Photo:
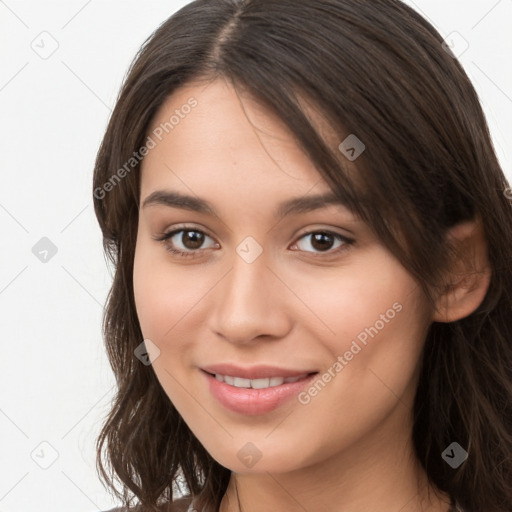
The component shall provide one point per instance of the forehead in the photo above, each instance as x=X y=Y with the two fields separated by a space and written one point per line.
x=208 y=133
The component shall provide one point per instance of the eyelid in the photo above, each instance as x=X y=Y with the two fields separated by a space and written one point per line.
x=323 y=229
x=182 y=227
x=298 y=235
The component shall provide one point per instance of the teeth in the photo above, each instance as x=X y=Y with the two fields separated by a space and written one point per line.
x=256 y=383
x=242 y=383
x=276 y=381
x=260 y=383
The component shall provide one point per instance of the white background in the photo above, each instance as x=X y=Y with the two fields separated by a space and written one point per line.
x=55 y=380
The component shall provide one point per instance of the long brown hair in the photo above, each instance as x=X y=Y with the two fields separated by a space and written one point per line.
x=375 y=69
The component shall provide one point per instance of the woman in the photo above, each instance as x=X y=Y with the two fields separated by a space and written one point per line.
x=311 y=240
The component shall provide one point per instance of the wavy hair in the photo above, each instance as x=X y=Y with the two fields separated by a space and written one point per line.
x=375 y=69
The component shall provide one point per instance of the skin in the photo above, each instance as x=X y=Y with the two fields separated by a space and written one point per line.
x=295 y=306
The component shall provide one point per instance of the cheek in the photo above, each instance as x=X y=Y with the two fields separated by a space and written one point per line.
x=372 y=322
x=166 y=299
x=362 y=302
x=155 y=292
x=167 y=296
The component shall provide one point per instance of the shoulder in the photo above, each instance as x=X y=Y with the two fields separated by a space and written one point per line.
x=180 y=505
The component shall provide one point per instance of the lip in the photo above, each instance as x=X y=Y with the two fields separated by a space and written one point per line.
x=254 y=372
x=252 y=402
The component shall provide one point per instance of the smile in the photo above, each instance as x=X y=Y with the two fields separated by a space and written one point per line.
x=255 y=396
x=270 y=382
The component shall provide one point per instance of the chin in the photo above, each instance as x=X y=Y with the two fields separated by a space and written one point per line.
x=260 y=457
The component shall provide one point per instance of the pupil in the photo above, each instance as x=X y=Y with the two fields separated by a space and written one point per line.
x=323 y=240
x=195 y=241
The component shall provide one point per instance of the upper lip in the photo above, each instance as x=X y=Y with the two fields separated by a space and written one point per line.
x=254 y=372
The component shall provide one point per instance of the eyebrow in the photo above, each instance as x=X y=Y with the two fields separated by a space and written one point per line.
x=295 y=205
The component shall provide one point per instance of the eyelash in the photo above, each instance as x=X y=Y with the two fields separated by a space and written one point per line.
x=194 y=253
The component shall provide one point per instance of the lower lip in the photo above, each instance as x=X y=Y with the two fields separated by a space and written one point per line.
x=254 y=401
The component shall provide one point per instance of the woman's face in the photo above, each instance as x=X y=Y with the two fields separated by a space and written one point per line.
x=269 y=290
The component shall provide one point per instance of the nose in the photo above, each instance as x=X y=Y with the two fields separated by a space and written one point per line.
x=250 y=303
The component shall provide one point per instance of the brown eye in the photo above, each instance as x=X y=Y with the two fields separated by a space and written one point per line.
x=185 y=242
x=192 y=239
x=323 y=242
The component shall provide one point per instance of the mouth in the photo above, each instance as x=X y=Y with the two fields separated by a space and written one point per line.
x=257 y=395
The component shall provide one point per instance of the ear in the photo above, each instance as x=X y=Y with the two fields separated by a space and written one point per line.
x=469 y=278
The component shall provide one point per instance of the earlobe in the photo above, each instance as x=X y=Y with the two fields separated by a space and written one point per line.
x=470 y=276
